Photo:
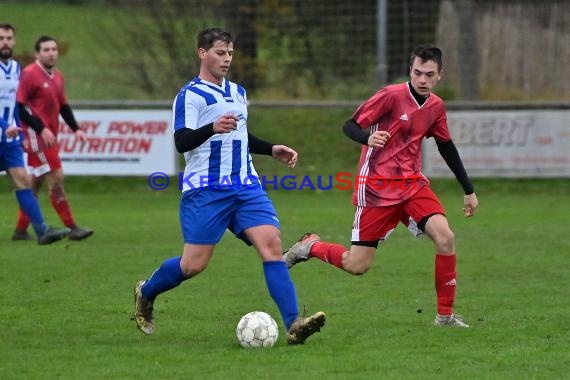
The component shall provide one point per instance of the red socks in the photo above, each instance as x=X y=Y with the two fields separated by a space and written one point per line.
x=61 y=206
x=328 y=252
x=23 y=220
x=445 y=273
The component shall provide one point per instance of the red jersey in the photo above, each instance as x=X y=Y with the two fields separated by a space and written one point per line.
x=392 y=174
x=43 y=94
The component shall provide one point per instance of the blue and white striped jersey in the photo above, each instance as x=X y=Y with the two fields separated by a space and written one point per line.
x=224 y=159
x=9 y=79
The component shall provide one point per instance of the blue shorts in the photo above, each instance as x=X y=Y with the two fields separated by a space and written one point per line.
x=11 y=156
x=206 y=213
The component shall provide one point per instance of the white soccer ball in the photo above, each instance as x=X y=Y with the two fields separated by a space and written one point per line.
x=257 y=330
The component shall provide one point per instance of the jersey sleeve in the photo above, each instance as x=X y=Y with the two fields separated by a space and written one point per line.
x=184 y=112
x=371 y=111
x=439 y=130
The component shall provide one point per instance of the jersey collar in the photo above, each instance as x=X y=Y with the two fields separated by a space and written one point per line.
x=420 y=100
x=223 y=89
x=6 y=67
x=50 y=75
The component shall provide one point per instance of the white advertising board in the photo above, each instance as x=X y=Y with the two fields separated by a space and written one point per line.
x=119 y=142
x=506 y=144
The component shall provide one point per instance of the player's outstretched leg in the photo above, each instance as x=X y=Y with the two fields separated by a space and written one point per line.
x=300 y=251
x=452 y=320
x=303 y=328
x=143 y=310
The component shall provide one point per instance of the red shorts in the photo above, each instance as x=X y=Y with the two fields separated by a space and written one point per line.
x=45 y=161
x=372 y=224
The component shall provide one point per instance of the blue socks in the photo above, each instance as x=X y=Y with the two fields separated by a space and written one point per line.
x=168 y=276
x=282 y=290
x=279 y=284
x=29 y=204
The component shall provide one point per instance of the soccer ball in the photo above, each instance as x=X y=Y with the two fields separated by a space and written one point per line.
x=257 y=329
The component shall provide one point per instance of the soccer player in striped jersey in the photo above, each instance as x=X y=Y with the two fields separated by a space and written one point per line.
x=390 y=187
x=11 y=154
x=221 y=190
x=41 y=99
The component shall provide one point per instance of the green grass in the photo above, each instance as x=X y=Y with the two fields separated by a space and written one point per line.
x=66 y=308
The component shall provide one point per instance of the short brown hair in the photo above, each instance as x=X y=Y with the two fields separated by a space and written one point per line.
x=428 y=53
x=207 y=37
x=41 y=40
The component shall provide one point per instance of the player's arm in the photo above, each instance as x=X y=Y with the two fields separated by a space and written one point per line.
x=449 y=152
x=281 y=153
x=259 y=146
x=67 y=115
x=187 y=139
x=36 y=124
x=30 y=120
x=355 y=132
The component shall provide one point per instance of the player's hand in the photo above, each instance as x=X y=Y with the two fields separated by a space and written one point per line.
x=48 y=137
x=470 y=203
x=226 y=123
x=13 y=131
x=285 y=154
x=80 y=135
x=378 y=139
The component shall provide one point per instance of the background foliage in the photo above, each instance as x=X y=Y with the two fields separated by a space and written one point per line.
x=290 y=49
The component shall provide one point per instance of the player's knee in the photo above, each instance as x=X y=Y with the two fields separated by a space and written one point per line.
x=356 y=267
x=193 y=268
x=55 y=187
x=446 y=240
x=22 y=184
x=20 y=178
x=271 y=249
x=275 y=243
x=55 y=179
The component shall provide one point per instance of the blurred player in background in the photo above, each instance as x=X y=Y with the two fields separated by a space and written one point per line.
x=11 y=154
x=391 y=126
x=221 y=189
x=41 y=99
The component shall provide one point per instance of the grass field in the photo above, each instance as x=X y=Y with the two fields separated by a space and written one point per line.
x=66 y=309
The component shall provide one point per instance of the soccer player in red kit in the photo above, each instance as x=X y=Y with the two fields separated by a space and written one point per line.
x=41 y=99
x=390 y=186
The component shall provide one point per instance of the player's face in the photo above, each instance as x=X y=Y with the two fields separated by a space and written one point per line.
x=424 y=76
x=7 y=42
x=47 y=56
x=216 y=61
